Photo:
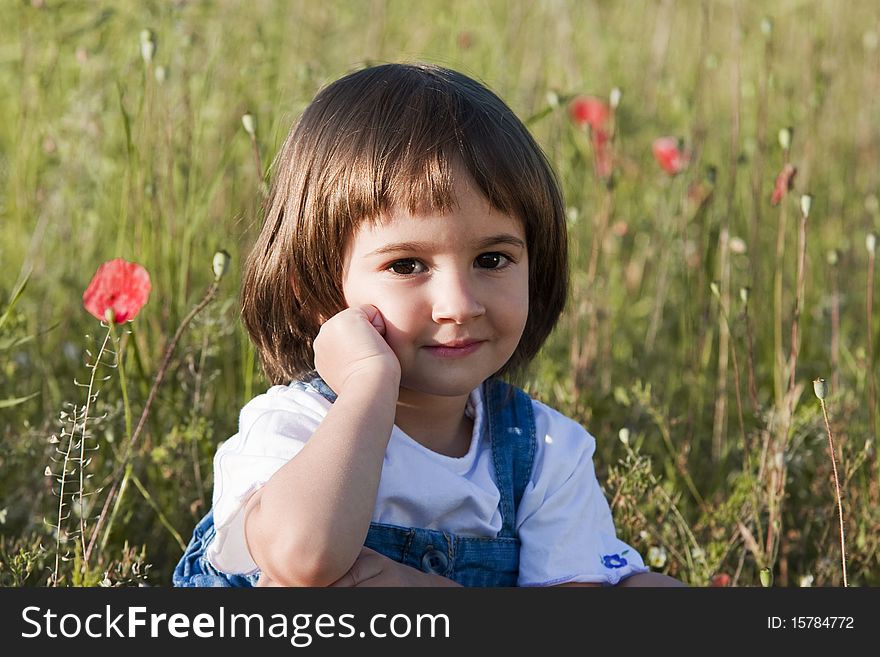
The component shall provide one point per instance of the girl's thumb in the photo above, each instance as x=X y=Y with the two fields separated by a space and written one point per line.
x=375 y=318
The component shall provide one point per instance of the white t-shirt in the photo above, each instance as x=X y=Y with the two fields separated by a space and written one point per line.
x=563 y=521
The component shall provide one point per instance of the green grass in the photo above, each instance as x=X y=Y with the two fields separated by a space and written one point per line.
x=99 y=158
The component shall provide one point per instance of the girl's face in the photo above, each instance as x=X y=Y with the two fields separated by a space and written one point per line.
x=453 y=289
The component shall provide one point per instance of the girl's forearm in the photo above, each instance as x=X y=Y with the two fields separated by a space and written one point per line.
x=309 y=522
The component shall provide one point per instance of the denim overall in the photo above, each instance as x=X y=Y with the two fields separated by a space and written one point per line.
x=468 y=560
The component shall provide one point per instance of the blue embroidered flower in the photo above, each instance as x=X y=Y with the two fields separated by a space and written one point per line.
x=613 y=561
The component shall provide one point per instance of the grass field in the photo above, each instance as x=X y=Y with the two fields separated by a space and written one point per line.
x=700 y=312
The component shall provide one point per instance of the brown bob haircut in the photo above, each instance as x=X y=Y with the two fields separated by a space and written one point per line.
x=386 y=137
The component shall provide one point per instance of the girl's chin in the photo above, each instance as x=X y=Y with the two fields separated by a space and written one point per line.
x=444 y=386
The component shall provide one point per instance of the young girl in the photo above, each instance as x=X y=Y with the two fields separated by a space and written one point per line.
x=413 y=253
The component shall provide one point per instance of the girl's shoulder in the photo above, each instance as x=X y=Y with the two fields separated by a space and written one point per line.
x=280 y=404
x=549 y=422
x=569 y=438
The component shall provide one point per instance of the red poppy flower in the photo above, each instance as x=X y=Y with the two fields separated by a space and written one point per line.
x=120 y=286
x=784 y=182
x=670 y=155
x=589 y=111
x=721 y=580
x=601 y=141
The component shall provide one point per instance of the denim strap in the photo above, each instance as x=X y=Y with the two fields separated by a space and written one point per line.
x=511 y=426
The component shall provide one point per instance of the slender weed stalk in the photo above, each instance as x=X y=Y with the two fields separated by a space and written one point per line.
x=820 y=387
x=806 y=204
x=75 y=433
x=744 y=294
x=871 y=244
x=738 y=382
x=67 y=436
x=785 y=137
x=250 y=127
x=758 y=164
x=90 y=397
x=833 y=259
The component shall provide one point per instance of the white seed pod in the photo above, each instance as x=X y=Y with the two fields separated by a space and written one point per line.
x=552 y=99
x=806 y=204
x=871 y=242
x=832 y=257
x=249 y=123
x=623 y=434
x=614 y=97
x=737 y=245
x=767 y=27
x=148 y=45
x=744 y=294
x=820 y=387
x=785 y=135
x=221 y=264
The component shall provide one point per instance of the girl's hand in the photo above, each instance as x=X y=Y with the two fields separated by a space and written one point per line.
x=350 y=345
x=374 y=569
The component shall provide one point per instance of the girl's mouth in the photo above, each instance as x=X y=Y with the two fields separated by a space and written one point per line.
x=454 y=350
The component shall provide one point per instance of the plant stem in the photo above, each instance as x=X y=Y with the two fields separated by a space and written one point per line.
x=835 y=329
x=753 y=388
x=82 y=443
x=837 y=491
x=869 y=316
x=122 y=381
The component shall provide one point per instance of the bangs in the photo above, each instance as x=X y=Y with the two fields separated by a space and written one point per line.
x=397 y=146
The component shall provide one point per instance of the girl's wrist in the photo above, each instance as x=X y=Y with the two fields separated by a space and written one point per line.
x=378 y=382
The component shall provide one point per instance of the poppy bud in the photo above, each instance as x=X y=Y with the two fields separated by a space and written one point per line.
x=831 y=257
x=785 y=136
x=623 y=434
x=614 y=97
x=715 y=290
x=767 y=27
x=766 y=577
x=744 y=294
x=871 y=242
x=148 y=45
x=221 y=264
x=820 y=387
x=737 y=245
x=806 y=204
x=552 y=99
x=249 y=123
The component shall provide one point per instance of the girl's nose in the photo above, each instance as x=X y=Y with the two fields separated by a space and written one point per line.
x=455 y=300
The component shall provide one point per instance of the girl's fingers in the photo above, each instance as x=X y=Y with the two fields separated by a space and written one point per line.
x=365 y=567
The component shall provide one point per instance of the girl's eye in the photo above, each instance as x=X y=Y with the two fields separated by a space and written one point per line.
x=493 y=260
x=406 y=267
